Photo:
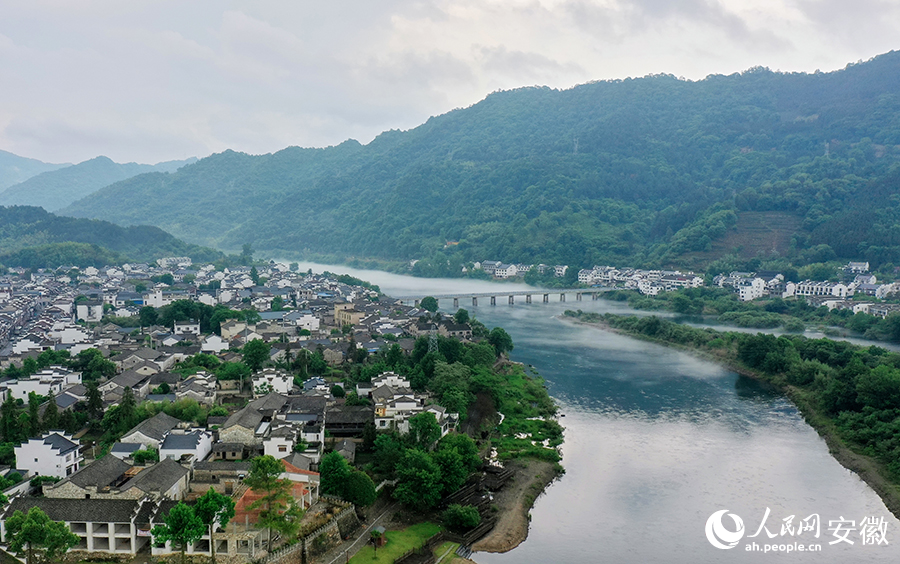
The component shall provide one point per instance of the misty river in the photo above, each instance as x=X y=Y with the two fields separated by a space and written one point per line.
x=657 y=440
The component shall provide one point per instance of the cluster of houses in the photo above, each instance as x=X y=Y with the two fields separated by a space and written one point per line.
x=112 y=502
x=858 y=281
x=502 y=270
x=648 y=282
x=62 y=310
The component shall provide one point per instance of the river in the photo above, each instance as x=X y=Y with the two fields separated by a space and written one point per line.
x=657 y=441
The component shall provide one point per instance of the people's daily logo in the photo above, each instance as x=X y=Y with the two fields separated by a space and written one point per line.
x=721 y=537
x=793 y=533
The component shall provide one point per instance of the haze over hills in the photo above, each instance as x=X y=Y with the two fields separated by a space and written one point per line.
x=651 y=171
x=15 y=169
x=56 y=189
x=31 y=237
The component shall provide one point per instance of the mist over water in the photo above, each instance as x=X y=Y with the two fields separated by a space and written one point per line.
x=656 y=441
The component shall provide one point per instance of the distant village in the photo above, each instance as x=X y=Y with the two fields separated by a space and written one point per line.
x=112 y=502
x=848 y=294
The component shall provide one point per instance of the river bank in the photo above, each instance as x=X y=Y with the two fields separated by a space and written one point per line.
x=870 y=470
x=514 y=501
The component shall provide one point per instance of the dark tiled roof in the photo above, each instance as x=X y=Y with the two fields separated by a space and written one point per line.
x=179 y=441
x=100 y=472
x=60 y=443
x=220 y=465
x=96 y=510
x=349 y=414
x=248 y=418
x=158 y=478
x=155 y=427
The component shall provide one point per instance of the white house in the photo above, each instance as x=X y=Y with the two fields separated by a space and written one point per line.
x=270 y=380
x=179 y=443
x=55 y=454
x=189 y=327
x=89 y=310
x=751 y=288
x=47 y=382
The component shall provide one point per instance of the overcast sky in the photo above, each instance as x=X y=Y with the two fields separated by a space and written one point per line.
x=156 y=80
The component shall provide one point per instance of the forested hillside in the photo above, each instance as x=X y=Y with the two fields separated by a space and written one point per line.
x=30 y=237
x=59 y=188
x=651 y=171
x=15 y=169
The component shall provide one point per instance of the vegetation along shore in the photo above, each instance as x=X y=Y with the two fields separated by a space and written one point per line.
x=849 y=394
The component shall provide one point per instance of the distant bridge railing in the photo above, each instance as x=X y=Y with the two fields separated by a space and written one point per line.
x=543 y=294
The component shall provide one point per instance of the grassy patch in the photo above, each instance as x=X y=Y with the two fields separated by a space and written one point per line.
x=448 y=548
x=529 y=412
x=398 y=543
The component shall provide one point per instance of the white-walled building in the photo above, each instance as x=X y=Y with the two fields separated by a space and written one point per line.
x=90 y=311
x=54 y=454
x=180 y=443
x=271 y=380
x=751 y=288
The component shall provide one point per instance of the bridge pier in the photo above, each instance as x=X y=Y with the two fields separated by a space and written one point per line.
x=562 y=297
x=546 y=298
x=474 y=301
x=415 y=303
x=493 y=300
x=512 y=300
x=455 y=303
x=577 y=296
x=527 y=298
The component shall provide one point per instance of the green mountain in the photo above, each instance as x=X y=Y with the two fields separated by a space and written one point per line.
x=59 y=188
x=31 y=237
x=653 y=170
x=15 y=169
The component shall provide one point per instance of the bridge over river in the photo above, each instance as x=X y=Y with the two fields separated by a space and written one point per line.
x=543 y=294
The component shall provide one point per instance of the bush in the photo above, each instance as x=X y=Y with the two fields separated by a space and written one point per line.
x=461 y=518
x=144 y=456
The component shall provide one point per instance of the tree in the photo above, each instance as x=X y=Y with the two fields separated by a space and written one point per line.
x=256 y=353
x=429 y=303
x=333 y=471
x=277 y=303
x=418 y=480
x=338 y=391
x=453 y=470
x=254 y=275
x=369 y=435
x=181 y=527
x=461 y=518
x=500 y=340
x=461 y=316
x=51 y=415
x=143 y=456
x=36 y=534
x=424 y=431
x=389 y=450
x=214 y=509
x=466 y=448
x=148 y=316
x=94 y=400
x=277 y=510
x=9 y=418
x=127 y=408
x=359 y=489
x=34 y=420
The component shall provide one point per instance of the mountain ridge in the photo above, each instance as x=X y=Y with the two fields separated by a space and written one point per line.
x=650 y=169
x=58 y=188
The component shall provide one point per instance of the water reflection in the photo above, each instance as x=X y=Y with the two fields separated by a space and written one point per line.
x=656 y=441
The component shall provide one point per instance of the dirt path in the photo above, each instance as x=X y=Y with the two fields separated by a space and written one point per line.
x=515 y=501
